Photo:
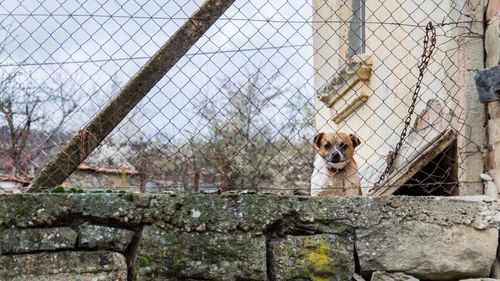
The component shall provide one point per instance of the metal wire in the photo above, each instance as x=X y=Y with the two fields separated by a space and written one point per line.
x=422 y=66
x=240 y=109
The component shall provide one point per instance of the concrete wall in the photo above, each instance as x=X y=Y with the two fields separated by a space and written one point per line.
x=392 y=51
x=244 y=237
x=96 y=180
x=492 y=48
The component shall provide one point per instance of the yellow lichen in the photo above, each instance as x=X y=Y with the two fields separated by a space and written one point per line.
x=318 y=264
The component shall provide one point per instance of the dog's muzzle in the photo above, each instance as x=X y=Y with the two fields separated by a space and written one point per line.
x=336 y=165
x=335 y=157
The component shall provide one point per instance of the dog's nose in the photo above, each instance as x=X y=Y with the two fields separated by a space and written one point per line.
x=335 y=157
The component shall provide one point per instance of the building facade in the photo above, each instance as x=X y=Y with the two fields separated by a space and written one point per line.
x=366 y=56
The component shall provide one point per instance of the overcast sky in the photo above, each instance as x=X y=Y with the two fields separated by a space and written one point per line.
x=95 y=41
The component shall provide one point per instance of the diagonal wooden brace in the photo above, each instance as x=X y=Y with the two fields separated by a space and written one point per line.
x=66 y=161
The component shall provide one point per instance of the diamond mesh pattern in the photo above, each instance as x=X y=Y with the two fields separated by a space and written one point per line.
x=239 y=111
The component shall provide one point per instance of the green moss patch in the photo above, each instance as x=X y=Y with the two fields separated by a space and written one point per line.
x=142 y=261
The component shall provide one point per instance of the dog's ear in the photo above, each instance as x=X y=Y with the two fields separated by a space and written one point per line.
x=317 y=139
x=355 y=140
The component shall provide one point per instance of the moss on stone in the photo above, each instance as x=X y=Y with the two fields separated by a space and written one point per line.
x=178 y=263
x=142 y=261
x=58 y=189
x=317 y=262
x=22 y=210
x=130 y=197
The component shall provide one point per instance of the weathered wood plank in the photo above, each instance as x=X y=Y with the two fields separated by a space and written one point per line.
x=83 y=143
x=396 y=179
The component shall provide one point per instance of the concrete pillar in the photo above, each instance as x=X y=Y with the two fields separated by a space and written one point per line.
x=471 y=56
x=492 y=48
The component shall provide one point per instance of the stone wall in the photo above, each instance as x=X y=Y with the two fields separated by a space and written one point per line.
x=244 y=237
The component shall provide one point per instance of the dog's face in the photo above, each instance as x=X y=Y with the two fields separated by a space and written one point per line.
x=336 y=148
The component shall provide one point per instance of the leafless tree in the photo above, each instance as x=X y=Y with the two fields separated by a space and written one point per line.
x=28 y=106
x=240 y=142
x=250 y=136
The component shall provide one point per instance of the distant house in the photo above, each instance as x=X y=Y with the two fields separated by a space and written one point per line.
x=152 y=185
x=12 y=184
x=89 y=176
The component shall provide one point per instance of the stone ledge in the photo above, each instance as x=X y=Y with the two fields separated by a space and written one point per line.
x=232 y=236
x=104 y=237
x=350 y=107
x=62 y=266
x=358 y=68
x=254 y=213
x=13 y=240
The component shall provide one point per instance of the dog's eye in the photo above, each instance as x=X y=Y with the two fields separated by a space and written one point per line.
x=342 y=145
x=327 y=145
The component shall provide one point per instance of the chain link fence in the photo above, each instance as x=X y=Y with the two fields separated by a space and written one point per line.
x=240 y=109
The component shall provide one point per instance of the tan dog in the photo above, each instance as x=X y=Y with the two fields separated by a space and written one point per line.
x=335 y=170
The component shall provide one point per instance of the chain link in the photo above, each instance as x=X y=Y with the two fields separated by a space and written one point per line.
x=238 y=110
x=422 y=66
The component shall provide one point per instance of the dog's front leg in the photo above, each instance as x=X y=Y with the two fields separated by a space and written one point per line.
x=318 y=174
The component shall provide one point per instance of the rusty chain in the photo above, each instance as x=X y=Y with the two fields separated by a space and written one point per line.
x=422 y=66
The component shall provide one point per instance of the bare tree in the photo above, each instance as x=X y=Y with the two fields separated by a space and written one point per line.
x=239 y=145
x=250 y=136
x=28 y=106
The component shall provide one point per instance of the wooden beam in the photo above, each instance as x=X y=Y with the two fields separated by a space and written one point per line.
x=402 y=175
x=66 y=161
